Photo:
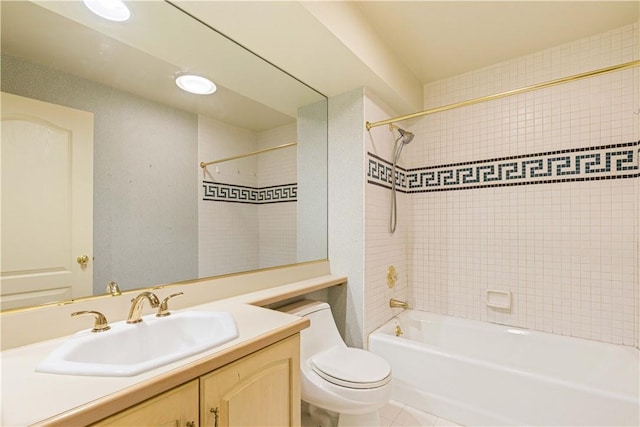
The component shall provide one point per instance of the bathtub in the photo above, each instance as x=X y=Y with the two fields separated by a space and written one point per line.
x=477 y=373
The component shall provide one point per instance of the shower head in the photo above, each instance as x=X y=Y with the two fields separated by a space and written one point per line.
x=405 y=135
x=404 y=138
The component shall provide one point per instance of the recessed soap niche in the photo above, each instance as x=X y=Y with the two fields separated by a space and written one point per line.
x=500 y=300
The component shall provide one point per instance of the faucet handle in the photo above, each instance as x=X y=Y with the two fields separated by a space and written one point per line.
x=100 y=324
x=164 y=307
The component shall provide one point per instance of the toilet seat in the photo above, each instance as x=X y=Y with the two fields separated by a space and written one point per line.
x=351 y=367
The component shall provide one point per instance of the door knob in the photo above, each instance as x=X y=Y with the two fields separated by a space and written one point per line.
x=83 y=260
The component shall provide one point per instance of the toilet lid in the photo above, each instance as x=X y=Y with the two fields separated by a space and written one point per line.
x=351 y=367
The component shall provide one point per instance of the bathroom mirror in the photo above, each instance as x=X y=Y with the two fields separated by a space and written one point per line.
x=157 y=216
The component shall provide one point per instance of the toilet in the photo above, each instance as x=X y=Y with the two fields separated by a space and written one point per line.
x=351 y=382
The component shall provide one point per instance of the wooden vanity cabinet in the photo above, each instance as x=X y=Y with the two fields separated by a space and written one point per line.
x=177 y=407
x=260 y=389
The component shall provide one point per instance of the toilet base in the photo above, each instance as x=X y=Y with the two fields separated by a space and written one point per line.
x=320 y=417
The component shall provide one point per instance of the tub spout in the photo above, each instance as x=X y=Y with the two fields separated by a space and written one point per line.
x=394 y=303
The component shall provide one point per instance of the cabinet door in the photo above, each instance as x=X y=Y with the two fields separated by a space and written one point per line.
x=175 y=408
x=262 y=389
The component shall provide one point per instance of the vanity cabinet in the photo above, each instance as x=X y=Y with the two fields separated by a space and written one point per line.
x=260 y=389
x=174 y=408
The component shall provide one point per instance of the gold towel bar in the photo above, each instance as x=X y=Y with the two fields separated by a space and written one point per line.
x=253 y=153
x=473 y=101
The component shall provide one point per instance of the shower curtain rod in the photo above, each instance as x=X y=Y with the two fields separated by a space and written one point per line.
x=253 y=153
x=473 y=101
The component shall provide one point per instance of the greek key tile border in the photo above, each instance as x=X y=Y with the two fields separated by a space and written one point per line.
x=220 y=192
x=615 y=161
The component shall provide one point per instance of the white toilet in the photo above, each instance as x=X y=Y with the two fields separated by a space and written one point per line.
x=351 y=382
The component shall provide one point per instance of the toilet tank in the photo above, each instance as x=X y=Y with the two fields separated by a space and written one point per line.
x=322 y=334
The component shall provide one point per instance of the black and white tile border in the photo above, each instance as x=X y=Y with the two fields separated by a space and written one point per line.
x=220 y=192
x=615 y=161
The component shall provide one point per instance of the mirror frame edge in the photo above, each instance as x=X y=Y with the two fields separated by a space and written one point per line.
x=158 y=287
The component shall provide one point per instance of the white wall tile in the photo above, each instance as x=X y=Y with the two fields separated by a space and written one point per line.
x=277 y=222
x=240 y=236
x=568 y=251
x=382 y=248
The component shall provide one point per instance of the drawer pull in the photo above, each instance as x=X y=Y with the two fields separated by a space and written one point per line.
x=216 y=412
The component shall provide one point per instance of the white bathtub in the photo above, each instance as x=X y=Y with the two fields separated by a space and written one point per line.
x=477 y=373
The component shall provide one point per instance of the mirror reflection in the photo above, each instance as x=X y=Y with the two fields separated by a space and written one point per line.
x=101 y=153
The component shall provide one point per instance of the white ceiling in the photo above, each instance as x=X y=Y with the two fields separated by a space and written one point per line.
x=395 y=47
x=436 y=39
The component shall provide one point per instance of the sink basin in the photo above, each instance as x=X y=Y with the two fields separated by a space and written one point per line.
x=130 y=349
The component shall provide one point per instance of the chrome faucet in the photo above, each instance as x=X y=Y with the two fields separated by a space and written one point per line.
x=135 y=312
x=395 y=303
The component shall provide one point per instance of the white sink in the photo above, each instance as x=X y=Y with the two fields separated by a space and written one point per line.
x=129 y=349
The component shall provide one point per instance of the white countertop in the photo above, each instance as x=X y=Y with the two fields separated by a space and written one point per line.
x=30 y=397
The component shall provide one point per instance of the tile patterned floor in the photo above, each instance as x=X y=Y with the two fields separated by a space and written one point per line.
x=396 y=414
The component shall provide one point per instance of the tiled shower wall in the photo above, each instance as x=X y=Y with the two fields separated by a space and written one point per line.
x=226 y=231
x=277 y=221
x=567 y=250
x=237 y=234
x=382 y=249
x=565 y=244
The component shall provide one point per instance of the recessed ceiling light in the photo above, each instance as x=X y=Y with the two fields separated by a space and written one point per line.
x=113 y=10
x=195 y=84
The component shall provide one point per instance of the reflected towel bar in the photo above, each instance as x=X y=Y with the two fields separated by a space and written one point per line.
x=473 y=101
x=253 y=153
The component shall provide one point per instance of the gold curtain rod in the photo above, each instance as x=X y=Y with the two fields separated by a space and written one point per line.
x=253 y=153
x=580 y=76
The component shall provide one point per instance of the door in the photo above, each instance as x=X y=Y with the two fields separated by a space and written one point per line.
x=46 y=202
